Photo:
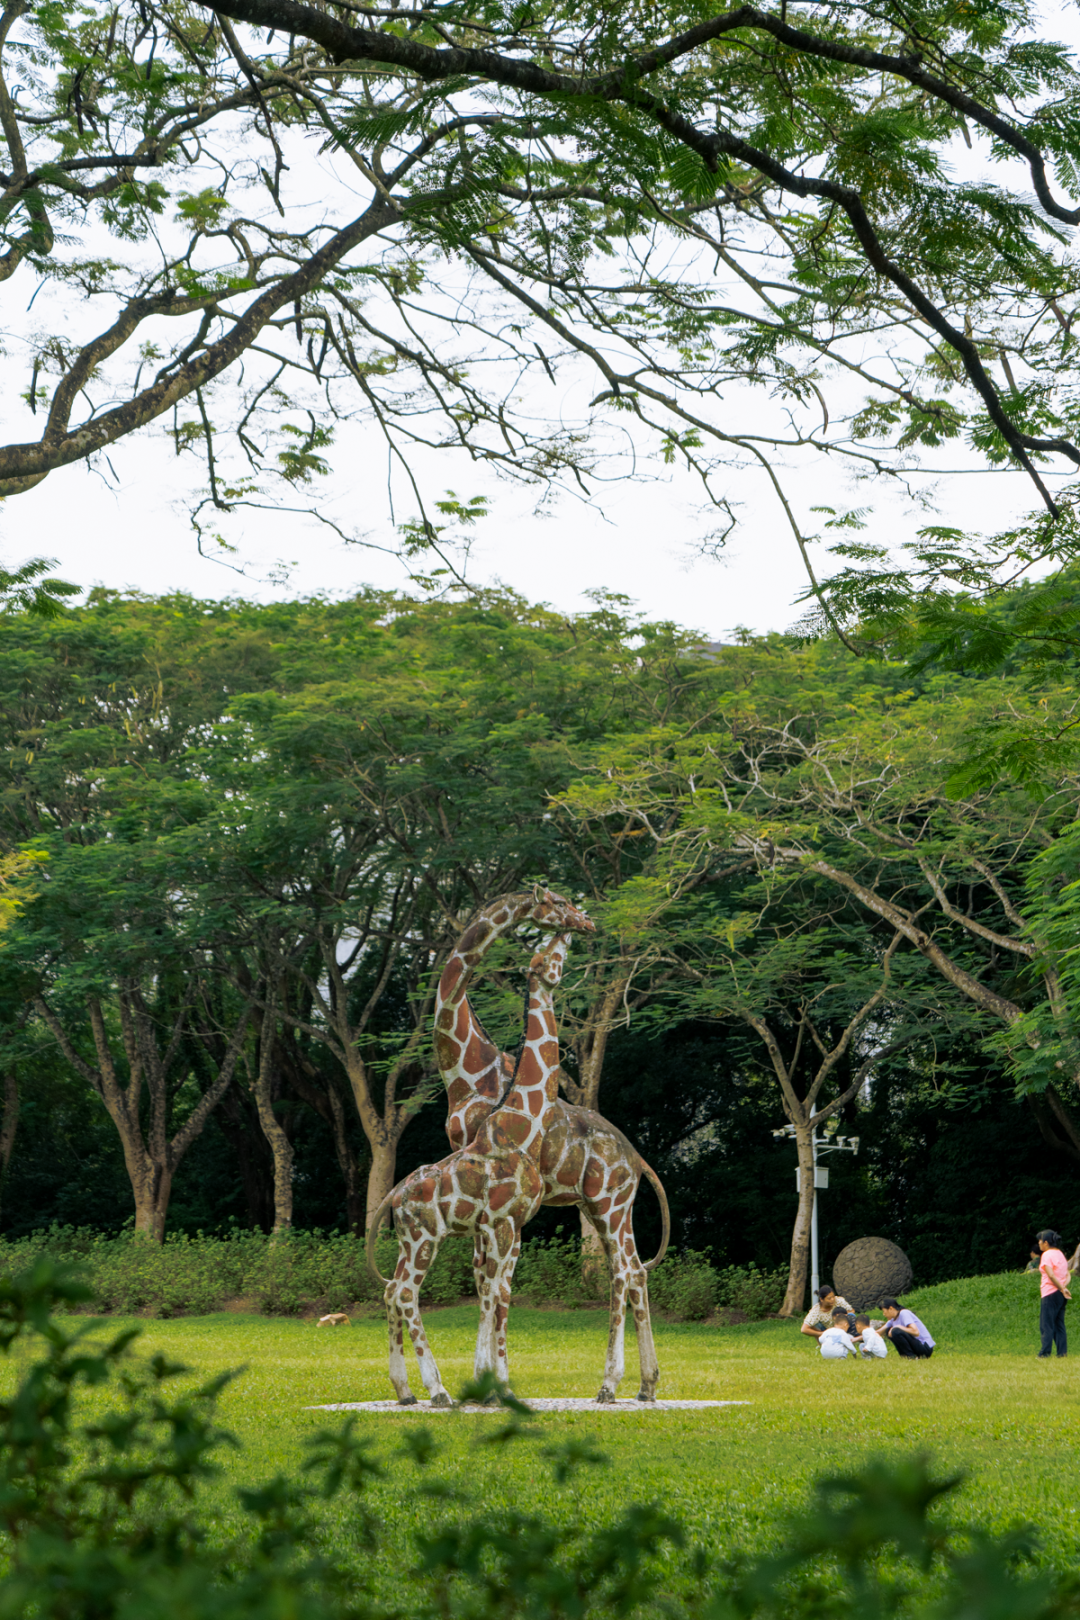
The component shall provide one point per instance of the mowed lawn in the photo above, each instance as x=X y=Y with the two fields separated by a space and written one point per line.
x=983 y=1404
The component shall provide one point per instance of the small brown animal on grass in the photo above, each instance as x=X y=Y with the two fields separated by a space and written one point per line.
x=335 y=1319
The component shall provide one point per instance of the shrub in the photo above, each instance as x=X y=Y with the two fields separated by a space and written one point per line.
x=193 y=1275
x=550 y=1272
x=684 y=1285
x=756 y=1293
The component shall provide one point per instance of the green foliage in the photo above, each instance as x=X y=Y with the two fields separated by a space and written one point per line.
x=106 y=1474
x=559 y=195
x=311 y=1270
x=686 y=1286
x=756 y=1293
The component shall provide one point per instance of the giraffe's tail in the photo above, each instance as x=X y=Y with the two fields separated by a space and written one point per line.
x=665 y=1215
x=373 y=1236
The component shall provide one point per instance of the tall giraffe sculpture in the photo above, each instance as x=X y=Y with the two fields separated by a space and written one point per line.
x=486 y=1191
x=586 y=1161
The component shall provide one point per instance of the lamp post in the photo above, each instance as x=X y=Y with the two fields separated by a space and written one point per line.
x=828 y=1143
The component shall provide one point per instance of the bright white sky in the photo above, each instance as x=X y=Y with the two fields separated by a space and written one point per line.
x=641 y=543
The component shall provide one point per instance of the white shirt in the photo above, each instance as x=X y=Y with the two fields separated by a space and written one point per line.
x=873 y=1344
x=836 y=1344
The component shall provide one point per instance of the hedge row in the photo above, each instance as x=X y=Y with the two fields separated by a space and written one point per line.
x=304 y=1269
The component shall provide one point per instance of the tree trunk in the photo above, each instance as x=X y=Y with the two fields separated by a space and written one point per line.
x=590 y=1049
x=151 y=1161
x=321 y=1094
x=242 y=1131
x=273 y=1130
x=152 y=1203
x=347 y=1163
x=800 y=1238
x=9 y=1124
x=381 y=1176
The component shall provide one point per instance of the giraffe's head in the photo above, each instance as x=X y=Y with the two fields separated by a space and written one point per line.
x=553 y=911
x=549 y=960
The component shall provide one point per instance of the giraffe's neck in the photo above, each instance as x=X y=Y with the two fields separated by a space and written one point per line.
x=464 y=1051
x=525 y=1113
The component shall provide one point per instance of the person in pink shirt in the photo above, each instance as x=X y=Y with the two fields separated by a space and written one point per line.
x=1054 y=1292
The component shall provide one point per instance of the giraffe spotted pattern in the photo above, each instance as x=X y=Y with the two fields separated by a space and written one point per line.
x=585 y=1160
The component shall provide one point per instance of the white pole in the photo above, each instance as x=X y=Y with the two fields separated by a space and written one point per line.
x=815 y=1280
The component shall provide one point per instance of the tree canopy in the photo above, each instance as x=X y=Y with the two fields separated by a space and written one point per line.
x=833 y=234
x=250 y=835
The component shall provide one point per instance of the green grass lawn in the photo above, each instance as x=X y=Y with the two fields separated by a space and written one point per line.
x=983 y=1404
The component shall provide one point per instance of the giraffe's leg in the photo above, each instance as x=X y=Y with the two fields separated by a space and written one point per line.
x=395 y=1321
x=485 y=1331
x=639 y=1304
x=502 y=1244
x=502 y=1288
x=615 y=1363
x=403 y=1295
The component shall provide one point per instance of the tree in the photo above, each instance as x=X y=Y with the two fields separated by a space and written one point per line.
x=673 y=204
x=100 y=711
x=865 y=895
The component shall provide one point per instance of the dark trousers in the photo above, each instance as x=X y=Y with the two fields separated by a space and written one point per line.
x=1052 y=1323
x=906 y=1344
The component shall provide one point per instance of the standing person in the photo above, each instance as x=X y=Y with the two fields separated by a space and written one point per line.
x=1054 y=1292
x=908 y=1336
x=819 y=1318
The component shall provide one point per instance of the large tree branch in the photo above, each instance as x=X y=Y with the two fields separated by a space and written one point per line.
x=192 y=1127
x=899 y=919
x=1007 y=942
x=63 y=1041
x=344 y=43
x=24 y=465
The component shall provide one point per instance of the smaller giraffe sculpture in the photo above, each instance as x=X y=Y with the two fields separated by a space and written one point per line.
x=486 y=1191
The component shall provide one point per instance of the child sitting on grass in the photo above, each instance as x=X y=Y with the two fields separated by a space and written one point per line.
x=869 y=1342
x=836 y=1342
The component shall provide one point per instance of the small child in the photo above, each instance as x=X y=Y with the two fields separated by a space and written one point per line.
x=869 y=1342
x=836 y=1342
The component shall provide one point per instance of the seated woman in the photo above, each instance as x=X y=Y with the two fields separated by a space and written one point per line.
x=906 y=1333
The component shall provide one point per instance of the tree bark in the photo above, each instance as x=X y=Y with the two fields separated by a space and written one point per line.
x=381 y=1176
x=590 y=1049
x=239 y=1124
x=795 y=1294
x=272 y=1128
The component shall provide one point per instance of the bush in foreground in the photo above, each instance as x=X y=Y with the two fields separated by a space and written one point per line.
x=103 y=1519
x=186 y=1275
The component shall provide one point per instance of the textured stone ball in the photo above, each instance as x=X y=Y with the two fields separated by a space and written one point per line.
x=869 y=1270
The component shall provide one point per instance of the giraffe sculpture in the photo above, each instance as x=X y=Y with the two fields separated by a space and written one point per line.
x=487 y=1191
x=585 y=1160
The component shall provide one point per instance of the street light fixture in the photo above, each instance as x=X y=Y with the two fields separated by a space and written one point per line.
x=829 y=1143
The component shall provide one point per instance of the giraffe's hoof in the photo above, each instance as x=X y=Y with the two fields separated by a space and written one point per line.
x=606 y=1397
x=407 y=1400
x=647 y=1395
x=492 y=1400
x=441 y=1399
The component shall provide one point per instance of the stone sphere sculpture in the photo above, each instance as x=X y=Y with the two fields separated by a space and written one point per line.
x=869 y=1270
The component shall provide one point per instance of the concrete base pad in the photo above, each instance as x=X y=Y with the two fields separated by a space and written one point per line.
x=559 y=1404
